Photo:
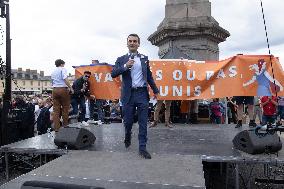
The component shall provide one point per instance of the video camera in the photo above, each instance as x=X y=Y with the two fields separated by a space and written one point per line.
x=269 y=128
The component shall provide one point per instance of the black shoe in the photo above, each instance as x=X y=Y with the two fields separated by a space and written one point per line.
x=127 y=140
x=252 y=123
x=144 y=154
x=239 y=124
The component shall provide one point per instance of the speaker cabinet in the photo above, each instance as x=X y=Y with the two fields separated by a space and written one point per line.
x=247 y=141
x=74 y=138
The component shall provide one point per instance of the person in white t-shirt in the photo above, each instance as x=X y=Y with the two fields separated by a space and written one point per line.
x=60 y=94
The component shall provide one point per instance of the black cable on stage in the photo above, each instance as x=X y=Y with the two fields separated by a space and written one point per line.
x=268 y=46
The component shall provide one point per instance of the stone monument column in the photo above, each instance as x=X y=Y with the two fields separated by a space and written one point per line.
x=189 y=31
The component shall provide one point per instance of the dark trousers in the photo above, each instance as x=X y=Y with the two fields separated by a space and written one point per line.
x=216 y=119
x=81 y=102
x=99 y=104
x=281 y=112
x=43 y=121
x=268 y=119
x=139 y=100
x=92 y=109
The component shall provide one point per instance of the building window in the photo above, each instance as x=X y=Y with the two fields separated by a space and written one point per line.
x=27 y=76
x=20 y=75
x=24 y=83
x=32 y=88
x=38 y=88
x=38 y=83
x=34 y=76
x=32 y=82
x=45 y=83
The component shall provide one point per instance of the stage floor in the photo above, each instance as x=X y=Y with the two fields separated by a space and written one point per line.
x=127 y=169
x=176 y=162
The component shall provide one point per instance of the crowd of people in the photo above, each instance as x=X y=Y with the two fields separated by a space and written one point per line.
x=41 y=107
x=268 y=109
x=260 y=110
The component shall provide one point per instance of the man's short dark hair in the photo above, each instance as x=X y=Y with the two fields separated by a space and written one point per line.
x=134 y=35
x=87 y=72
x=59 y=62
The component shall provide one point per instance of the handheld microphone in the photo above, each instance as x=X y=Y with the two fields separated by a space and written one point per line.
x=132 y=55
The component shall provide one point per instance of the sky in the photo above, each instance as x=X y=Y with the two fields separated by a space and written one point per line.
x=79 y=31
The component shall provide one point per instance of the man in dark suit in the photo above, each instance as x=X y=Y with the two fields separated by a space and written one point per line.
x=136 y=76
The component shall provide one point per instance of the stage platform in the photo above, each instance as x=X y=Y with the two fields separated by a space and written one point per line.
x=177 y=160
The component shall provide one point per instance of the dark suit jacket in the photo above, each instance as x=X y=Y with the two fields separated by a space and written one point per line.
x=119 y=69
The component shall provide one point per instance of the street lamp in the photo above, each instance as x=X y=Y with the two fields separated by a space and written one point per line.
x=4 y=5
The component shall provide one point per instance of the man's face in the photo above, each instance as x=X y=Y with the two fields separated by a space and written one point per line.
x=132 y=43
x=40 y=104
x=86 y=76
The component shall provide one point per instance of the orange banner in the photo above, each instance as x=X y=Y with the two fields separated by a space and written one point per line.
x=242 y=75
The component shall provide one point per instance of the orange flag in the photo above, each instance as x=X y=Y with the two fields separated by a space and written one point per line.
x=242 y=75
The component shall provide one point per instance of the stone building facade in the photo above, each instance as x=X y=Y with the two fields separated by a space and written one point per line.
x=30 y=82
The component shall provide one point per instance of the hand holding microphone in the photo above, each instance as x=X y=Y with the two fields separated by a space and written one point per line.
x=130 y=62
x=85 y=85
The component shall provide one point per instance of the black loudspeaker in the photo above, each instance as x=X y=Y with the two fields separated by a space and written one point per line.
x=54 y=185
x=247 y=141
x=74 y=138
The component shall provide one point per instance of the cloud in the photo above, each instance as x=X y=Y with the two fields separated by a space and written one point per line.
x=243 y=19
x=79 y=31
